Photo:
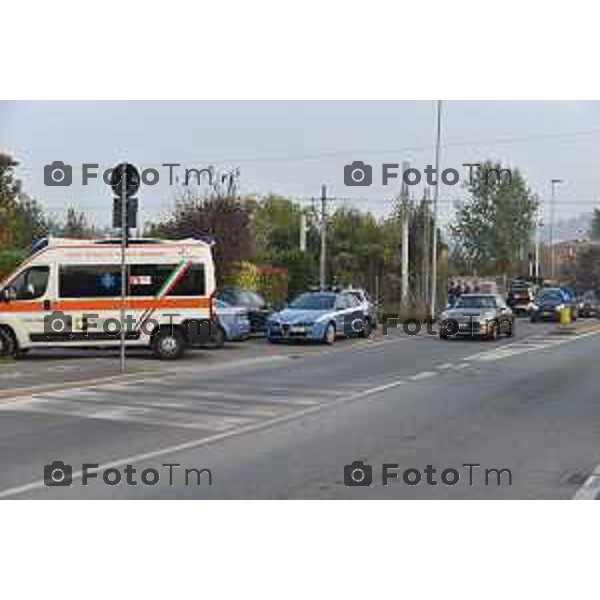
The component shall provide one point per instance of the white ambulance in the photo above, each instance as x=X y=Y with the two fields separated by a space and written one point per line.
x=68 y=293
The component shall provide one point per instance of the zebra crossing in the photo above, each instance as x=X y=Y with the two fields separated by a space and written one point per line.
x=538 y=343
x=209 y=406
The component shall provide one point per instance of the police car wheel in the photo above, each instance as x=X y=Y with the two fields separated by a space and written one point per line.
x=329 y=337
x=168 y=344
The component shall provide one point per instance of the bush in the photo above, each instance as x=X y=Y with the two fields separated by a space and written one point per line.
x=244 y=274
x=273 y=285
x=270 y=282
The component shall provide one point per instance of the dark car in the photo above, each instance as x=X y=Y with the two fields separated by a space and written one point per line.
x=520 y=297
x=589 y=305
x=549 y=302
x=257 y=307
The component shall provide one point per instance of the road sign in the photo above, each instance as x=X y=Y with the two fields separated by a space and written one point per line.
x=132 y=178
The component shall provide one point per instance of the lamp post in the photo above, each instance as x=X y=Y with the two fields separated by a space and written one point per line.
x=553 y=183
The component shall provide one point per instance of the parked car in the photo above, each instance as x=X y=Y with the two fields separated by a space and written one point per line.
x=520 y=297
x=256 y=306
x=366 y=302
x=589 y=305
x=231 y=324
x=317 y=316
x=477 y=315
x=549 y=302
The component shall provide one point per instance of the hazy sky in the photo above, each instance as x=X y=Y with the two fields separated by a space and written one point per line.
x=291 y=148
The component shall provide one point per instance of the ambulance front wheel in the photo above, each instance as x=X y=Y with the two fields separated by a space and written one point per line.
x=168 y=344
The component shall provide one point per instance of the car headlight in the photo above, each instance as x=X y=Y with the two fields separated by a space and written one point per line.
x=559 y=307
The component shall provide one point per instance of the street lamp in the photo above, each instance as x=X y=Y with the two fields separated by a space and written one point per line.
x=553 y=182
x=538 y=225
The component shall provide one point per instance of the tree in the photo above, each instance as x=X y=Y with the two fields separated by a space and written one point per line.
x=9 y=192
x=31 y=223
x=587 y=270
x=276 y=226
x=496 y=222
x=223 y=219
x=22 y=219
x=76 y=226
x=595 y=226
x=355 y=247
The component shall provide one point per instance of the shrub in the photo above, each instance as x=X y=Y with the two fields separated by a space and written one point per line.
x=270 y=282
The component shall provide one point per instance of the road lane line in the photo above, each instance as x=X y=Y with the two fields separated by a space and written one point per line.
x=422 y=375
x=590 y=490
x=445 y=366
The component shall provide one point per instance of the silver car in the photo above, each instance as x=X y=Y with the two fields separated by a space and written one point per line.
x=367 y=305
x=485 y=316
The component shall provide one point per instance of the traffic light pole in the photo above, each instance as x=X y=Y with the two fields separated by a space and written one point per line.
x=123 y=263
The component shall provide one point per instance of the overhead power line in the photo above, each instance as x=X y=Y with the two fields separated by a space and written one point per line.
x=532 y=138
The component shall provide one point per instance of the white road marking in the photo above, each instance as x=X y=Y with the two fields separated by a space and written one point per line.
x=590 y=490
x=461 y=366
x=445 y=366
x=134 y=413
x=516 y=348
x=422 y=375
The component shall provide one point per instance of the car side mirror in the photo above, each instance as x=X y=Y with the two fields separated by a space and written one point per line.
x=5 y=295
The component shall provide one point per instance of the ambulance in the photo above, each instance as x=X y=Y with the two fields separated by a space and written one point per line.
x=68 y=294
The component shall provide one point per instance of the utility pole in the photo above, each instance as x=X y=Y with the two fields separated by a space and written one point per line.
x=405 y=213
x=322 y=261
x=302 y=232
x=434 y=235
x=426 y=248
x=553 y=182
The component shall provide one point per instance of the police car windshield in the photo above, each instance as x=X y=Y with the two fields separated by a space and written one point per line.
x=314 y=302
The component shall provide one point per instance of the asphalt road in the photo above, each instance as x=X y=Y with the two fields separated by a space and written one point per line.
x=283 y=421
